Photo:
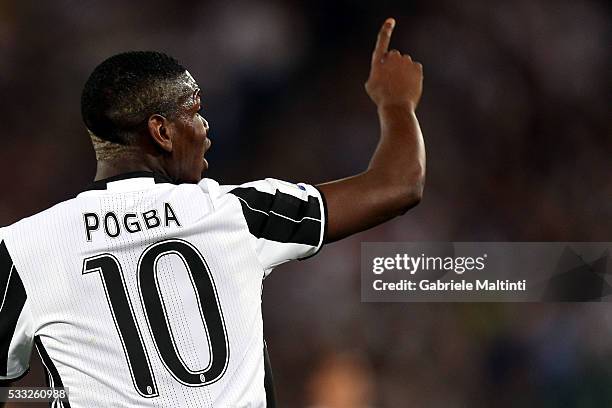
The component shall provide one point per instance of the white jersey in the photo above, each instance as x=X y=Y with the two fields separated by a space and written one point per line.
x=143 y=293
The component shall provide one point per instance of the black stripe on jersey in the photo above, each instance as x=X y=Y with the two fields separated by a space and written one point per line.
x=53 y=378
x=6 y=263
x=280 y=217
x=12 y=299
x=268 y=380
x=7 y=383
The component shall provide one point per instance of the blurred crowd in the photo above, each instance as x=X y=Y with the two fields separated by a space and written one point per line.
x=516 y=118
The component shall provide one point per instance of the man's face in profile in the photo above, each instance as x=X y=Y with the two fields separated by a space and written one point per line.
x=190 y=135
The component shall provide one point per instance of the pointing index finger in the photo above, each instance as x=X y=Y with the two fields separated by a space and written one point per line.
x=383 y=40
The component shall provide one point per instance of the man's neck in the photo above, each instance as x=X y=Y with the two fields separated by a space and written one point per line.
x=114 y=159
x=112 y=168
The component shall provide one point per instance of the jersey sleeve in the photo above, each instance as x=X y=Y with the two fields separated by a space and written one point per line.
x=287 y=220
x=16 y=337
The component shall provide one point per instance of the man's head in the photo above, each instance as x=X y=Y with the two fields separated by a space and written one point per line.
x=146 y=102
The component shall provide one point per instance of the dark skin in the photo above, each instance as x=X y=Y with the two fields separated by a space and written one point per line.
x=391 y=185
x=174 y=147
x=394 y=180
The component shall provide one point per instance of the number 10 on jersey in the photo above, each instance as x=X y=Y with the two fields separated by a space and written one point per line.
x=122 y=311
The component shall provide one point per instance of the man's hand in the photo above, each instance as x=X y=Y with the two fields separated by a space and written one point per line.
x=393 y=182
x=394 y=78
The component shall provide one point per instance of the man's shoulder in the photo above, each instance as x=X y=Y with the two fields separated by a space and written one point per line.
x=212 y=187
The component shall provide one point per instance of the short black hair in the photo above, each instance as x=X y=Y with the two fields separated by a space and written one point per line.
x=125 y=89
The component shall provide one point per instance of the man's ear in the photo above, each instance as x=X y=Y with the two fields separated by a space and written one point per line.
x=160 y=132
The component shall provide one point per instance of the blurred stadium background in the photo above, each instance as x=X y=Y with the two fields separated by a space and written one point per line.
x=516 y=116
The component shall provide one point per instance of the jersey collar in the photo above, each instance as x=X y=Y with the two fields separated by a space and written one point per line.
x=103 y=184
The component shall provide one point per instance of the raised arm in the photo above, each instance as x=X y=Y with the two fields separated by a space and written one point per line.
x=394 y=180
